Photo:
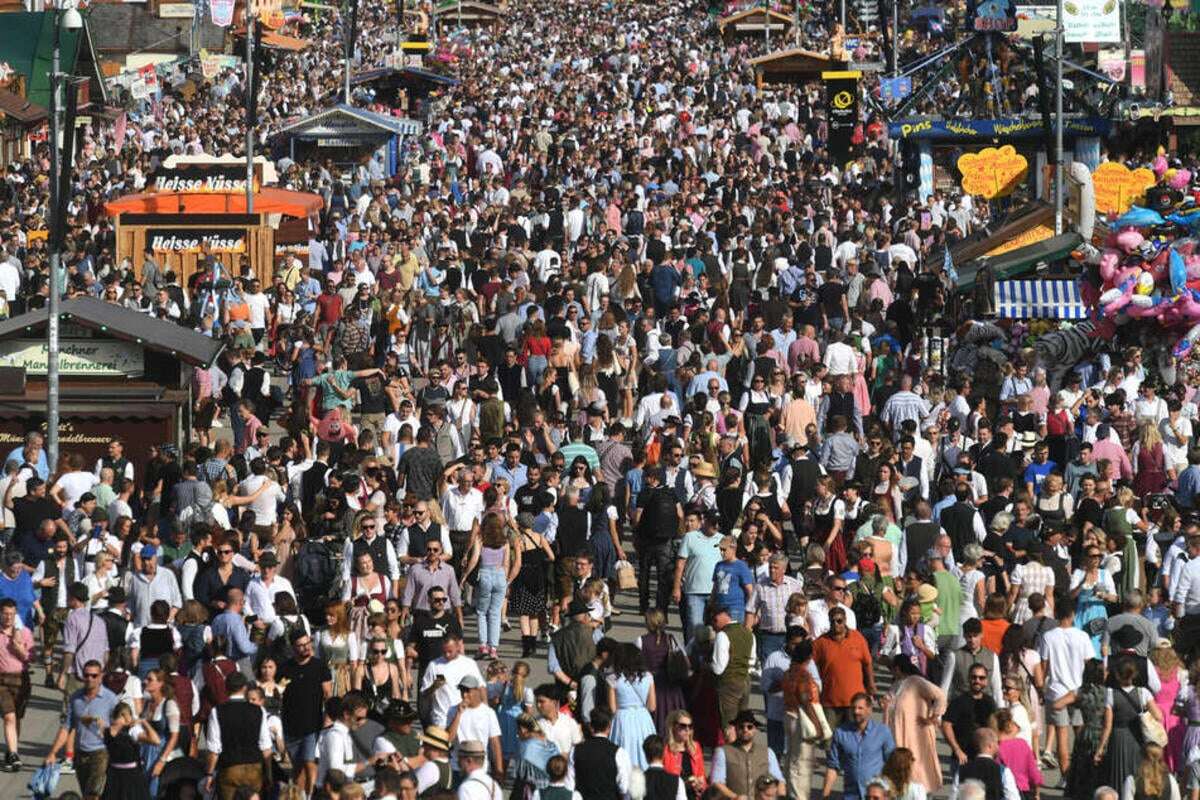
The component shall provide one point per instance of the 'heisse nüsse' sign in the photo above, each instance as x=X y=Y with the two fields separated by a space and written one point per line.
x=199 y=178
x=183 y=240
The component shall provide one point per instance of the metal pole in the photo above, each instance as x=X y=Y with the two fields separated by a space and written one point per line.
x=843 y=16
x=895 y=39
x=1128 y=42
x=349 y=50
x=1058 y=119
x=249 y=127
x=52 y=384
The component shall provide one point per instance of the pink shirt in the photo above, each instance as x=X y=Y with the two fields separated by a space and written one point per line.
x=1118 y=459
x=9 y=663
x=1016 y=755
x=803 y=349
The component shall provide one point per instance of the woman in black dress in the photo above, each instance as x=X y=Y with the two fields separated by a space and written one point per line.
x=656 y=646
x=123 y=739
x=527 y=595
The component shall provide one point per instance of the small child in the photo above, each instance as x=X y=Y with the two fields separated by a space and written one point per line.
x=595 y=594
x=1158 y=612
x=556 y=768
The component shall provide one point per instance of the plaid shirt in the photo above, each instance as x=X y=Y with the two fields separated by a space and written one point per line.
x=214 y=470
x=1124 y=424
x=769 y=601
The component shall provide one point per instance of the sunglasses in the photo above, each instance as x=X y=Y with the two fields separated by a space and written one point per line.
x=684 y=725
x=368 y=527
x=437 y=599
x=379 y=652
x=433 y=549
x=225 y=551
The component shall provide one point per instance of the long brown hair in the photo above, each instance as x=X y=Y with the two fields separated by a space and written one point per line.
x=898 y=769
x=1152 y=774
x=341 y=618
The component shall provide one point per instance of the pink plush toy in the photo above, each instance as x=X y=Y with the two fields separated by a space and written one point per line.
x=1181 y=179
x=1159 y=166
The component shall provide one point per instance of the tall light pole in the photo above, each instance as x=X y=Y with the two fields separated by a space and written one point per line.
x=251 y=109
x=1058 y=118
x=68 y=17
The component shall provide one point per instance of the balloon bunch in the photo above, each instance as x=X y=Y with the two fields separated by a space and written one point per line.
x=1150 y=265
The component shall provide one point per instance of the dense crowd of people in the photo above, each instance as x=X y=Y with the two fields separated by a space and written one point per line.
x=619 y=329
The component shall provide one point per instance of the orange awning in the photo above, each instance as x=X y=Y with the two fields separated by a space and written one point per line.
x=266 y=201
x=282 y=42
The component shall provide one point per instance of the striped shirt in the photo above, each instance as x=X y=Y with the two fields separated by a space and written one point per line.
x=769 y=601
x=904 y=406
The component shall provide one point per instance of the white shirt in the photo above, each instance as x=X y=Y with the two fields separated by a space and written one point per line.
x=564 y=732
x=259 y=306
x=1064 y=651
x=478 y=724
x=265 y=504
x=840 y=358
x=335 y=750
x=461 y=510
x=624 y=770
x=10 y=280
x=447 y=698
x=720 y=656
x=480 y=786
x=73 y=485
x=262 y=597
x=212 y=739
x=818 y=618
x=1185 y=589
x=1129 y=789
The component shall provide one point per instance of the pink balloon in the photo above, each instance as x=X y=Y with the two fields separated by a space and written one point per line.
x=1181 y=179
x=1159 y=166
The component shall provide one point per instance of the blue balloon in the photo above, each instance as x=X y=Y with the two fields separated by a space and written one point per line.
x=1178 y=272
x=1138 y=217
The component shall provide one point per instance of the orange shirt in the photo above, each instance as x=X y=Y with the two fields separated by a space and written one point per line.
x=993 y=633
x=841 y=665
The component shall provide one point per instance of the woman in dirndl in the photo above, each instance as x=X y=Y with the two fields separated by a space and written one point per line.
x=829 y=514
x=366 y=591
x=339 y=647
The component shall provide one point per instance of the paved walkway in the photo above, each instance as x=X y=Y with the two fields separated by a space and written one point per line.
x=41 y=720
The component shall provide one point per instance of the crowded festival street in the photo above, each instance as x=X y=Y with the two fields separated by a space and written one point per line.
x=599 y=400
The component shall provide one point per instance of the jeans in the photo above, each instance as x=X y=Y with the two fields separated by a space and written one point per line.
x=489 y=599
x=874 y=636
x=692 y=611
x=769 y=643
x=655 y=555
x=777 y=738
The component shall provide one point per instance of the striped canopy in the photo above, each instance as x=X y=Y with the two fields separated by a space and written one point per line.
x=1039 y=299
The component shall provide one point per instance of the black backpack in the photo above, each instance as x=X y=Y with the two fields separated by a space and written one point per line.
x=866 y=606
x=315 y=573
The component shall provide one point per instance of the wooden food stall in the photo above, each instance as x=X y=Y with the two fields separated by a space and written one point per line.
x=199 y=210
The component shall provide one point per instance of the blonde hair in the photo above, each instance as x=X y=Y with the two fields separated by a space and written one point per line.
x=1164 y=659
x=1149 y=436
x=1152 y=774
x=656 y=621
x=672 y=719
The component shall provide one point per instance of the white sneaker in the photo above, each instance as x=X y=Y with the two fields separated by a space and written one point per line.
x=67 y=766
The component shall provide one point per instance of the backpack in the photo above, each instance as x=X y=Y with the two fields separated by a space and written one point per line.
x=192 y=636
x=281 y=646
x=491 y=419
x=201 y=516
x=315 y=573
x=866 y=607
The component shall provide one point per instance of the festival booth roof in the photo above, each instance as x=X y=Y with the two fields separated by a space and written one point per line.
x=27 y=45
x=17 y=108
x=793 y=66
x=471 y=12
x=1020 y=260
x=119 y=322
x=1038 y=299
x=267 y=200
x=754 y=22
x=344 y=121
x=404 y=75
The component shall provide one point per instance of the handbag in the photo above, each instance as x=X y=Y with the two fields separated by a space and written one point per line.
x=626 y=575
x=679 y=668
x=809 y=731
x=1153 y=731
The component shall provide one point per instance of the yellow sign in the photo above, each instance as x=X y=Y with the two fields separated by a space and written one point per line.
x=1118 y=187
x=1038 y=233
x=992 y=172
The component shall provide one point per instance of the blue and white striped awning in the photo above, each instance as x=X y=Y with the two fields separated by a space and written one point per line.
x=1039 y=299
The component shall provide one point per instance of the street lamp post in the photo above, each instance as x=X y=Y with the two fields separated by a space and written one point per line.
x=68 y=17
x=1058 y=119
